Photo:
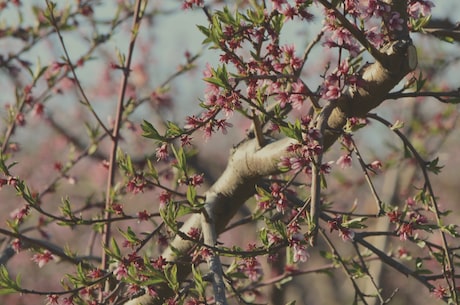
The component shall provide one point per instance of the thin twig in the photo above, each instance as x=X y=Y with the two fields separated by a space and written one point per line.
x=364 y=167
x=315 y=207
x=449 y=267
x=85 y=101
x=116 y=130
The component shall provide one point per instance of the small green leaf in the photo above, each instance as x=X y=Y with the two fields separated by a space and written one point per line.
x=173 y=130
x=397 y=125
x=293 y=131
x=115 y=248
x=181 y=158
x=263 y=235
x=152 y=172
x=170 y=272
x=433 y=166
x=355 y=223
x=191 y=194
x=92 y=149
x=150 y=132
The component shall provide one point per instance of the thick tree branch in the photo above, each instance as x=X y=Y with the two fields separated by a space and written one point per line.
x=248 y=163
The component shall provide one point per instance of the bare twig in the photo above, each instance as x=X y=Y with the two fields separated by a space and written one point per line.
x=139 y=6
x=86 y=101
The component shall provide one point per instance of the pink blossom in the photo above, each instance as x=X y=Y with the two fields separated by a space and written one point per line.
x=188 y=4
x=52 y=299
x=68 y=301
x=300 y=253
x=133 y=289
x=151 y=291
x=196 y=179
x=159 y=263
x=121 y=271
x=375 y=36
x=351 y=7
x=143 y=216
x=16 y=245
x=326 y=167
x=420 y=7
x=223 y=125
x=289 y=12
x=251 y=268
x=117 y=209
x=185 y=140
x=42 y=258
x=341 y=36
x=162 y=152
x=278 y=4
x=405 y=231
x=376 y=165
x=344 y=161
x=403 y=253
x=95 y=273
x=192 y=122
x=20 y=214
x=440 y=292
x=164 y=198
x=395 y=216
x=273 y=239
x=396 y=22
x=194 y=233
x=332 y=92
x=376 y=8
x=346 y=234
x=411 y=201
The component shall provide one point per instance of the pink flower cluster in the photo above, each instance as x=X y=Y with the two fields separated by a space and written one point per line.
x=251 y=267
x=335 y=224
x=405 y=228
x=291 y=11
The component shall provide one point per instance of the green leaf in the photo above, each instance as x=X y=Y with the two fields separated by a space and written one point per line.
x=293 y=131
x=397 y=125
x=125 y=163
x=173 y=130
x=257 y=15
x=420 y=82
x=152 y=172
x=65 y=208
x=191 y=194
x=92 y=149
x=7 y=284
x=129 y=235
x=277 y=22
x=433 y=166
x=263 y=235
x=355 y=223
x=181 y=158
x=3 y=167
x=451 y=229
x=184 y=210
x=115 y=249
x=39 y=70
x=153 y=280
x=200 y=285
x=150 y=132
x=170 y=272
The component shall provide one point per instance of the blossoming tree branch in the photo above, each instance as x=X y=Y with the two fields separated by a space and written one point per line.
x=317 y=182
